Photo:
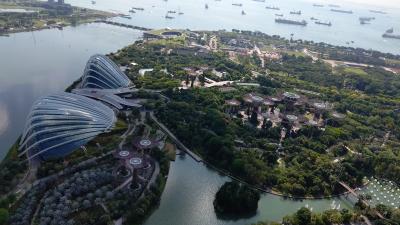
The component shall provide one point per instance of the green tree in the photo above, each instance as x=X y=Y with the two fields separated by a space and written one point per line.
x=4 y=215
x=303 y=216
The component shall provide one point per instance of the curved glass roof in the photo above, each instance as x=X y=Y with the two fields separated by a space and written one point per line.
x=59 y=124
x=102 y=73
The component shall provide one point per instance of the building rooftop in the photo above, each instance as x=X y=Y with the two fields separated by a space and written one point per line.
x=59 y=124
x=103 y=73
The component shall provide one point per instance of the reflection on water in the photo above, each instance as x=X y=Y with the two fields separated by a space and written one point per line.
x=189 y=194
x=34 y=64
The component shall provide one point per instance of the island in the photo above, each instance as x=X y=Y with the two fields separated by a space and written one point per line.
x=235 y=199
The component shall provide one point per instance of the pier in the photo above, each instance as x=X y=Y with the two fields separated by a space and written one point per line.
x=123 y=25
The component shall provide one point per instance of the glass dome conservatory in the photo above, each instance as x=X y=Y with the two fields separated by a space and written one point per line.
x=102 y=73
x=59 y=124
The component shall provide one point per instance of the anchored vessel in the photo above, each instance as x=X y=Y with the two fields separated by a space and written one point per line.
x=138 y=8
x=292 y=22
x=296 y=12
x=377 y=11
x=125 y=16
x=342 y=11
x=323 y=23
x=390 y=31
x=272 y=7
x=365 y=20
x=394 y=36
x=237 y=4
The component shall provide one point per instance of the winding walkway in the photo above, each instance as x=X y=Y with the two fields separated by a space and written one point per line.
x=175 y=139
x=226 y=173
x=353 y=192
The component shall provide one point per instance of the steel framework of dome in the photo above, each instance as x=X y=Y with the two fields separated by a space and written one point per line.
x=102 y=73
x=59 y=124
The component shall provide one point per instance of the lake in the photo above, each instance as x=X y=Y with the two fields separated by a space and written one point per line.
x=189 y=194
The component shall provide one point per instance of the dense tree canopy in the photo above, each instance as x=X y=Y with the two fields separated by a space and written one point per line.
x=233 y=198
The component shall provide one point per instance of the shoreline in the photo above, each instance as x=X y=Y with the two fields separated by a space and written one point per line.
x=226 y=173
x=89 y=16
x=199 y=159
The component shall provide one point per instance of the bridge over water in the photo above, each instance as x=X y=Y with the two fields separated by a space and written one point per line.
x=355 y=194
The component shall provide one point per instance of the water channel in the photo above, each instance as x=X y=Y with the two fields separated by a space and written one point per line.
x=189 y=194
x=34 y=64
x=44 y=62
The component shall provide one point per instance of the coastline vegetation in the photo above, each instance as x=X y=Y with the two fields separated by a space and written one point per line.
x=365 y=95
x=236 y=199
x=305 y=216
x=365 y=143
x=37 y=15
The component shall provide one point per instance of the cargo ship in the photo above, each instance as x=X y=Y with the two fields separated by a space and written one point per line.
x=280 y=15
x=272 y=7
x=167 y=16
x=125 y=16
x=292 y=22
x=394 y=36
x=170 y=11
x=313 y=18
x=342 y=11
x=323 y=23
x=138 y=8
x=366 y=18
x=363 y=22
x=295 y=12
x=378 y=11
x=237 y=4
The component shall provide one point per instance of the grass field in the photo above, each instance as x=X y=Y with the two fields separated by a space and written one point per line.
x=356 y=71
